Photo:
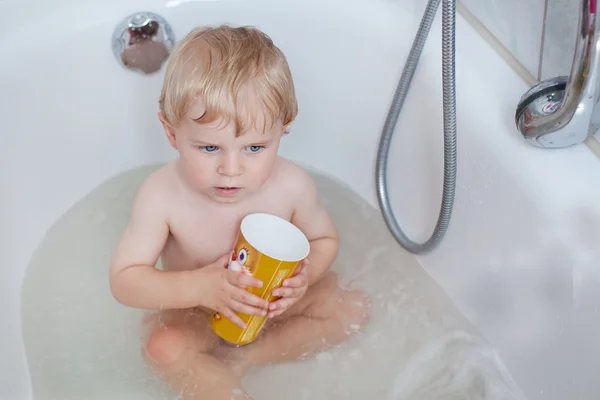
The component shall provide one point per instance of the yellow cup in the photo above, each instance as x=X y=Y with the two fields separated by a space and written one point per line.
x=270 y=249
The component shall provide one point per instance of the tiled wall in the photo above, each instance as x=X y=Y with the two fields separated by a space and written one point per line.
x=540 y=34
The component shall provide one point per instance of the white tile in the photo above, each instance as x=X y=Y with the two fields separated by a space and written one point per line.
x=561 y=33
x=518 y=25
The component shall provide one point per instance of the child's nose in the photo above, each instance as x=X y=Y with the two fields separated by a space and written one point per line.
x=230 y=165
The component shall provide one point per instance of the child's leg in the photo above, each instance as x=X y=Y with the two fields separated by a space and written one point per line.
x=178 y=350
x=324 y=317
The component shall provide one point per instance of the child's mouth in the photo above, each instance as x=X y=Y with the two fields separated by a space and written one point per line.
x=227 y=191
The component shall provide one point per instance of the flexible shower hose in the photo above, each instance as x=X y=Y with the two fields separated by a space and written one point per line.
x=449 y=103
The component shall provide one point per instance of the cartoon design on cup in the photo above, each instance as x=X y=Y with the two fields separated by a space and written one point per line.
x=239 y=260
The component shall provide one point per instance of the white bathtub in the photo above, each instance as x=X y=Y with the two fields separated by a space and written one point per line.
x=521 y=259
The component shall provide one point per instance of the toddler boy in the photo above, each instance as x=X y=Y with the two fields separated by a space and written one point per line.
x=227 y=99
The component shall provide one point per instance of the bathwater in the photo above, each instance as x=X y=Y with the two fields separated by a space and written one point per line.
x=81 y=344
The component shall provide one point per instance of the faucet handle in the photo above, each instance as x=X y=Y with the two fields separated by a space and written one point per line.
x=143 y=41
x=539 y=102
x=560 y=112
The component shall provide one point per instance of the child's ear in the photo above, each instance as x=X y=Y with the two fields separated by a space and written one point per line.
x=168 y=130
x=286 y=129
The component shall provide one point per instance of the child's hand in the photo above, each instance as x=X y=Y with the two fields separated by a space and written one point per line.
x=291 y=291
x=226 y=293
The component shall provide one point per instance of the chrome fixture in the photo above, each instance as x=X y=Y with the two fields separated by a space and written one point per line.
x=143 y=41
x=564 y=111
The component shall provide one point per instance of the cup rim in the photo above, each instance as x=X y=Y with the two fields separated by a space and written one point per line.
x=301 y=235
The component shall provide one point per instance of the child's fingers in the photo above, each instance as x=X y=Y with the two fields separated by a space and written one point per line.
x=302 y=267
x=247 y=309
x=288 y=292
x=245 y=297
x=233 y=317
x=281 y=305
x=242 y=280
x=295 y=282
x=274 y=314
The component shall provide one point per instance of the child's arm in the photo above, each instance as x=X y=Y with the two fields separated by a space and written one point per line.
x=312 y=219
x=135 y=281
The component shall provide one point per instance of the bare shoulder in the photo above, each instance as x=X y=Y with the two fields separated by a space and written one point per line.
x=156 y=192
x=309 y=214
x=294 y=179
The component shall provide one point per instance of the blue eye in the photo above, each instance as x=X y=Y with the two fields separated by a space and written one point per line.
x=243 y=256
x=209 y=149
x=255 y=149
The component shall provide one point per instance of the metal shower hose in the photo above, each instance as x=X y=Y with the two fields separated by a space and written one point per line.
x=449 y=103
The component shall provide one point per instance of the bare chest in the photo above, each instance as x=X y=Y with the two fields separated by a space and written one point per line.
x=200 y=235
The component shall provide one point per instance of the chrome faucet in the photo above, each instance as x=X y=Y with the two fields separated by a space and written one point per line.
x=142 y=42
x=564 y=111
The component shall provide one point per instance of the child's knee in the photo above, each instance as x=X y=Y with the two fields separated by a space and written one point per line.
x=166 y=345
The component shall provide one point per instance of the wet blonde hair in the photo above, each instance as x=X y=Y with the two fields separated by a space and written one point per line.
x=222 y=65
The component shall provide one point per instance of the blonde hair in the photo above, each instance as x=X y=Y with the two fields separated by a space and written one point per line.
x=219 y=65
